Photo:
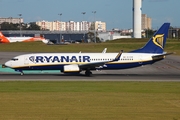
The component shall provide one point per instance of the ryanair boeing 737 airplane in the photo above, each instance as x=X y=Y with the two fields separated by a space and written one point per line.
x=78 y=62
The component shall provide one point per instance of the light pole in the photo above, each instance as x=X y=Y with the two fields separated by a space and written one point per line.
x=20 y=23
x=60 y=20
x=60 y=28
x=177 y=33
x=84 y=26
x=94 y=12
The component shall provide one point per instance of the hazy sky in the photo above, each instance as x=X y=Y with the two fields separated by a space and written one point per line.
x=116 y=13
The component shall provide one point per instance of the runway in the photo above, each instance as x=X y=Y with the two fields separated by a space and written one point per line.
x=95 y=77
x=165 y=70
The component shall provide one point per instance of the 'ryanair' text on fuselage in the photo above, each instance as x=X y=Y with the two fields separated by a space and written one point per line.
x=48 y=59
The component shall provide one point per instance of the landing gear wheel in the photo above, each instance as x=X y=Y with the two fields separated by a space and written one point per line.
x=88 y=73
x=22 y=73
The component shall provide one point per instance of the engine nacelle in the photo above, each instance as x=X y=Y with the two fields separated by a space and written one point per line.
x=71 y=68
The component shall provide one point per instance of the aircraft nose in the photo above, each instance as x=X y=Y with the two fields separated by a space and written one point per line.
x=7 y=64
x=3 y=66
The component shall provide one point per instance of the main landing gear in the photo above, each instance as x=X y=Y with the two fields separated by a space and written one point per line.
x=88 y=72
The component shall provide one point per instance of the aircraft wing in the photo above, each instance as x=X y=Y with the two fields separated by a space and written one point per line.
x=92 y=65
x=99 y=64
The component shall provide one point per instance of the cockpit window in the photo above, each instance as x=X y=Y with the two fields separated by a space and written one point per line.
x=14 y=59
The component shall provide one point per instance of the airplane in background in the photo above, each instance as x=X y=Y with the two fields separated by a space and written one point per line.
x=152 y=52
x=4 y=39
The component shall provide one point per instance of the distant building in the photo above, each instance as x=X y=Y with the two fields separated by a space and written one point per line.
x=72 y=26
x=100 y=26
x=146 y=22
x=85 y=25
x=64 y=26
x=44 y=25
x=112 y=35
x=52 y=26
x=11 y=20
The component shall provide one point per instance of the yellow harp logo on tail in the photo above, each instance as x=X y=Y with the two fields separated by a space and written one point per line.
x=158 y=40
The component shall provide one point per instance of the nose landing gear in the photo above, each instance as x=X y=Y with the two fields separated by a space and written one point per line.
x=21 y=72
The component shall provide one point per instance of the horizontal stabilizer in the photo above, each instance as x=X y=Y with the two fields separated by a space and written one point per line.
x=159 y=57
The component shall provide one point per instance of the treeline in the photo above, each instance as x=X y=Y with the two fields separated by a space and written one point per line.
x=23 y=26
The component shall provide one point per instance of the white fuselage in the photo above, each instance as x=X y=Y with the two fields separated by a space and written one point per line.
x=23 y=39
x=57 y=61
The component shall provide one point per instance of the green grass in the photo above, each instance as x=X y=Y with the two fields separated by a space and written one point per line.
x=113 y=46
x=89 y=100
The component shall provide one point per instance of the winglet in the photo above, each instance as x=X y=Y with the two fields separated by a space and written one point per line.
x=118 y=56
x=104 y=51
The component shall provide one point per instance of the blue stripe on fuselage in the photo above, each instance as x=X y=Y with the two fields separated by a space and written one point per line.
x=127 y=65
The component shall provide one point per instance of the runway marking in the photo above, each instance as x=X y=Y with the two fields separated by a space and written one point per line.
x=171 y=66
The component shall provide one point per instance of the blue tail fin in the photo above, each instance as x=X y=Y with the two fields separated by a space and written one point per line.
x=157 y=43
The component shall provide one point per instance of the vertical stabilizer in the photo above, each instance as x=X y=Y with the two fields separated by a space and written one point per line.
x=157 y=43
x=3 y=39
